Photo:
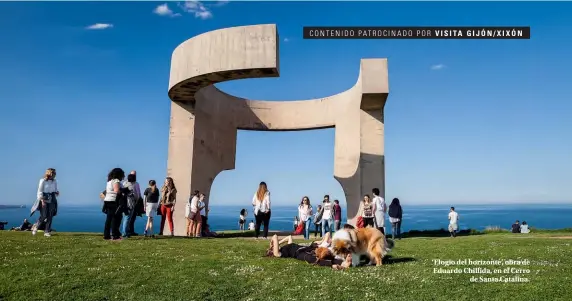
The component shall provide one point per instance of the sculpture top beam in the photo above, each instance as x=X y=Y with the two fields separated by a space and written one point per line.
x=253 y=52
x=221 y=55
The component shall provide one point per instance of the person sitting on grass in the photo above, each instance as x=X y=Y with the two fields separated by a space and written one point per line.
x=26 y=226
x=515 y=227
x=307 y=253
x=524 y=227
x=251 y=225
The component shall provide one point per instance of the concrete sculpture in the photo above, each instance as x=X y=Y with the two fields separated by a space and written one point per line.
x=205 y=120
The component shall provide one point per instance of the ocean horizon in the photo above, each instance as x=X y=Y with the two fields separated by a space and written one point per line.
x=89 y=218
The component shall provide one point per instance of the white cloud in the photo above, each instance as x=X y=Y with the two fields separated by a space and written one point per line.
x=164 y=10
x=99 y=26
x=286 y=40
x=437 y=67
x=197 y=8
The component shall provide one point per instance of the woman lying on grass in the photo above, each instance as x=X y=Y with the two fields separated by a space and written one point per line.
x=316 y=253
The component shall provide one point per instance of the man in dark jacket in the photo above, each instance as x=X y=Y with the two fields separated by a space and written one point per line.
x=516 y=227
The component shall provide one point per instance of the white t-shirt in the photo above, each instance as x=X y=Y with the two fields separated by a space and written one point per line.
x=251 y=226
x=261 y=205
x=49 y=186
x=304 y=213
x=110 y=194
x=379 y=204
x=194 y=204
x=453 y=217
x=328 y=213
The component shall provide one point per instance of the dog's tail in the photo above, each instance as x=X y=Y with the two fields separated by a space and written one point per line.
x=387 y=246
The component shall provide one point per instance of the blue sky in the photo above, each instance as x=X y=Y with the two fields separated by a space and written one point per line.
x=492 y=125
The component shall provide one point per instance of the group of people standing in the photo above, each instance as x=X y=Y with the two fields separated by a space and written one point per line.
x=194 y=212
x=123 y=198
x=328 y=216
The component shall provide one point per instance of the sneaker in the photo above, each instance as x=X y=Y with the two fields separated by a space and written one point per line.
x=34 y=232
x=47 y=234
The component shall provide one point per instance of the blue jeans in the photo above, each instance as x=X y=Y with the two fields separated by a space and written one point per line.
x=124 y=225
x=307 y=229
x=128 y=223
x=329 y=223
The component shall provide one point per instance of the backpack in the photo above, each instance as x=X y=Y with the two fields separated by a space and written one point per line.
x=131 y=198
x=318 y=216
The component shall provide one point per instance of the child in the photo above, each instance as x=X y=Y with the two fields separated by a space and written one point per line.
x=242 y=219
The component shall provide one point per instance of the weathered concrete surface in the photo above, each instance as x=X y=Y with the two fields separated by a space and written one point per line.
x=204 y=120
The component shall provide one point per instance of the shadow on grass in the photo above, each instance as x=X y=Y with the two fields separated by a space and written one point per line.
x=439 y=233
x=388 y=259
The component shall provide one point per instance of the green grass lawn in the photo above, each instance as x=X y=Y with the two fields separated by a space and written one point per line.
x=85 y=267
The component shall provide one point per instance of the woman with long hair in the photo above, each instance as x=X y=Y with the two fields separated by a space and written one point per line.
x=151 y=203
x=261 y=203
x=168 y=201
x=395 y=213
x=189 y=214
x=112 y=204
x=47 y=193
x=367 y=211
x=242 y=219
x=305 y=213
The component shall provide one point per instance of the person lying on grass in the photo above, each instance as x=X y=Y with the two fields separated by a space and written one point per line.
x=316 y=253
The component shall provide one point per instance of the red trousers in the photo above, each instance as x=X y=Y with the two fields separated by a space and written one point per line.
x=166 y=214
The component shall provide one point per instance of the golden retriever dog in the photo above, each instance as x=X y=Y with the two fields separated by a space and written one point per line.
x=363 y=241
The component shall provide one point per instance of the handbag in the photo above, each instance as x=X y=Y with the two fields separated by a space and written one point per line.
x=300 y=229
x=359 y=222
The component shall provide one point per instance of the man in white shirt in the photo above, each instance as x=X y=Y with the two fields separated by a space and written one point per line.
x=327 y=216
x=453 y=220
x=380 y=210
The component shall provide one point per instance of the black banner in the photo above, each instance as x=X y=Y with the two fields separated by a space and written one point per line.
x=417 y=32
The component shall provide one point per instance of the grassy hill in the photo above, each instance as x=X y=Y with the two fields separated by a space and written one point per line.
x=85 y=267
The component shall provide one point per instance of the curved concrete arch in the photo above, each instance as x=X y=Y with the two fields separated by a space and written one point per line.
x=204 y=119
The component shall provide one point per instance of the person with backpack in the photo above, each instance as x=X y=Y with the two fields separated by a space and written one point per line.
x=318 y=221
x=133 y=195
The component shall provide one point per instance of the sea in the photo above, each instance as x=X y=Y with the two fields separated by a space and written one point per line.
x=415 y=217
